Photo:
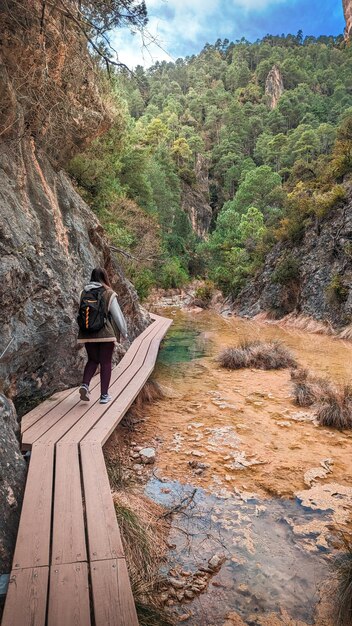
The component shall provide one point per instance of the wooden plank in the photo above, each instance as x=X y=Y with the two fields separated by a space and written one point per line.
x=112 y=595
x=69 y=595
x=26 y=597
x=33 y=539
x=68 y=535
x=104 y=540
x=69 y=590
x=53 y=426
x=133 y=349
x=29 y=419
x=82 y=426
x=108 y=422
x=37 y=413
x=48 y=421
x=103 y=429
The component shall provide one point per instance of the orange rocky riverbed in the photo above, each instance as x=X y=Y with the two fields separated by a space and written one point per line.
x=273 y=487
x=243 y=423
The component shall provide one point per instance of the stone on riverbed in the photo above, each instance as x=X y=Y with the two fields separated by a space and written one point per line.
x=216 y=561
x=147 y=456
x=311 y=476
x=177 y=584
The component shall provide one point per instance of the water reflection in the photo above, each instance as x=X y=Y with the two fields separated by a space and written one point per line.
x=267 y=567
x=183 y=344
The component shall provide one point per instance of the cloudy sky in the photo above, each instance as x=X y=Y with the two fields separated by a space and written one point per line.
x=182 y=27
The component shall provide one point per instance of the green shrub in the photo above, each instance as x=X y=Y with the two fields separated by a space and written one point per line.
x=143 y=281
x=172 y=274
x=337 y=291
x=119 y=235
x=325 y=202
x=205 y=292
x=287 y=271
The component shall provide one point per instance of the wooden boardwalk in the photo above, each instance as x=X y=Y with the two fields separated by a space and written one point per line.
x=69 y=567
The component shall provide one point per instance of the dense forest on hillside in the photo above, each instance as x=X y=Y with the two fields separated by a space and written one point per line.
x=272 y=162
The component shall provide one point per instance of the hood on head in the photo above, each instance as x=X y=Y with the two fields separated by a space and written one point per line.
x=92 y=285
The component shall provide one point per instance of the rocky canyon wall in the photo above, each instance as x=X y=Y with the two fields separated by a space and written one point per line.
x=195 y=199
x=50 y=107
x=12 y=478
x=312 y=278
x=49 y=243
x=347 y=8
x=274 y=86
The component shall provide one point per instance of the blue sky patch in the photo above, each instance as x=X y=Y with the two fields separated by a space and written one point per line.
x=182 y=27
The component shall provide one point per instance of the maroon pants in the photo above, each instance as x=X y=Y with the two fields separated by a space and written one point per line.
x=99 y=353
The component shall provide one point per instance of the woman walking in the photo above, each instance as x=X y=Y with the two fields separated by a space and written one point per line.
x=100 y=321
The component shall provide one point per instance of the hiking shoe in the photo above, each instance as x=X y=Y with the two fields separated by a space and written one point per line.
x=84 y=393
x=105 y=398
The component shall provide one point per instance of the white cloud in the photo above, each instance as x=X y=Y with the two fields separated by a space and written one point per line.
x=178 y=25
x=253 y=5
x=172 y=24
x=133 y=51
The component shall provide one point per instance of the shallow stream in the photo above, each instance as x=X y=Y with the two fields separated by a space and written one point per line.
x=275 y=489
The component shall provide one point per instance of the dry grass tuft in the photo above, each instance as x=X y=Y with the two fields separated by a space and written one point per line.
x=343 y=597
x=118 y=478
x=151 y=392
x=307 y=388
x=346 y=333
x=144 y=532
x=258 y=354
x=333 y=403
x=335 y=408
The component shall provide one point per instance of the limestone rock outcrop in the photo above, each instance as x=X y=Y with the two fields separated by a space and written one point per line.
x=49 y=238
x=274 y=86
x=12 y=477
x=50 y=86
x=347 y=9
x=195 y=199
x=49 y=243
x=318 y=284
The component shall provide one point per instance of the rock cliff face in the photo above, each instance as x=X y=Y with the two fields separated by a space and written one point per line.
x=49 y=242
x=195 y=199
x=313 y=278
x=347 y=9
x=49 y=239
x=274 y=86
x=12 y=477
x=50 y=88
